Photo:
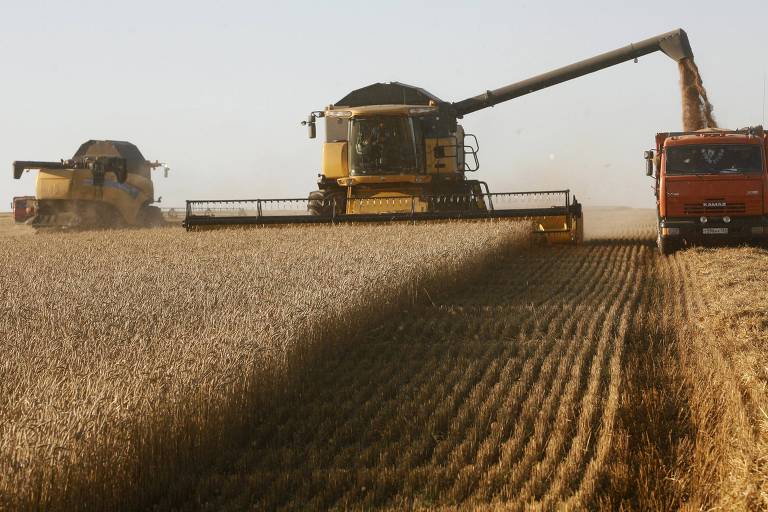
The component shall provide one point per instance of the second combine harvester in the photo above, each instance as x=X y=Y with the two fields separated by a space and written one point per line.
x=397 y=152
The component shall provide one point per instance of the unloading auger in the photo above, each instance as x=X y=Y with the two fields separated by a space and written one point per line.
x=394 y=152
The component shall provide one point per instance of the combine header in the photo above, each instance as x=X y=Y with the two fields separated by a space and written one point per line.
x=395 y=152
x=554 y=213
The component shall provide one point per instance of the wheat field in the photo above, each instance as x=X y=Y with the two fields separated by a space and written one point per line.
x=445 y=366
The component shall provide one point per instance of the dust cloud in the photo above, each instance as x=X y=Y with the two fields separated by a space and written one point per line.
x=697 y=110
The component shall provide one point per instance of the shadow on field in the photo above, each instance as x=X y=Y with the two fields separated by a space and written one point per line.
x=416 y=411
x=655 y=433
x=373 y=418
x=619 y=242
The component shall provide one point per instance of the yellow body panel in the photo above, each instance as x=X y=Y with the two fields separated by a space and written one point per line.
x=555 y=229
x=446 y=164
x=77 y=185
x=335 y=162
x=383 y=178
x=389 y=201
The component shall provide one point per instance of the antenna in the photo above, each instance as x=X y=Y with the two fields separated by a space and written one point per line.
x=763 y=123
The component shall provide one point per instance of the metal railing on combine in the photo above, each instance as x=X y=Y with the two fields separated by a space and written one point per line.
x=532 y=204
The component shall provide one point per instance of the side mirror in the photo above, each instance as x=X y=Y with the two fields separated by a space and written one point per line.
x=648 y=155
x=310 y=123
x=18 y=169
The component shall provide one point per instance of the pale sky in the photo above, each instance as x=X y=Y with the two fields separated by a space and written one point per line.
x=218 y=89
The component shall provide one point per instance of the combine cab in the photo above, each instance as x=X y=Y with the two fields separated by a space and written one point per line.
x=105 y=184
x=397 y=152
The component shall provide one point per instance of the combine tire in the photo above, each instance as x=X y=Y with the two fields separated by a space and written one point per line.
x=321 y=203
x=666 y=246
x=151 y=217
x=316 y=204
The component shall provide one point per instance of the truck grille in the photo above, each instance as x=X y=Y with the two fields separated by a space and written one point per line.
x=711 y=209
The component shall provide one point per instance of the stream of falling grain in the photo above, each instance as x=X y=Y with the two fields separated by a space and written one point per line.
x=697 y=110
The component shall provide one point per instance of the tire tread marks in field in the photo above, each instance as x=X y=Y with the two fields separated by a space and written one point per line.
x=506 y=394
x=651 y=467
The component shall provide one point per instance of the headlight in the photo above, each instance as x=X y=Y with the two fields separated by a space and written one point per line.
x=338 y=113
x=421 y=110
x=726 y=219
x=670 y=231
x=703 y=220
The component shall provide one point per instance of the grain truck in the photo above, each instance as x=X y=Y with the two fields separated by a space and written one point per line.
x=710 y=187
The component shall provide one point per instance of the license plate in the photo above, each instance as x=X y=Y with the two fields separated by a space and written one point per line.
x=715 y=231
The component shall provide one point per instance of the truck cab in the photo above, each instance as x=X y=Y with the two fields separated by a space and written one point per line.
x=710 y=187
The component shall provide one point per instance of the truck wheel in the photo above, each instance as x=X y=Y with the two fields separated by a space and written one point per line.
x=666 y=246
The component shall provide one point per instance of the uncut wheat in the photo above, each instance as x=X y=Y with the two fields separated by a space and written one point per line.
x=130 y=354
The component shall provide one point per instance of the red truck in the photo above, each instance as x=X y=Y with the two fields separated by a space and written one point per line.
x=711 y=187
x=23 y=208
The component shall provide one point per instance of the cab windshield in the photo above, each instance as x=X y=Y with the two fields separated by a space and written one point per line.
x=383 y=145
x=714 y=159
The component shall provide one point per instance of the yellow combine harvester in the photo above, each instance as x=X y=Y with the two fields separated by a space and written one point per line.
x=106 y=183
x=396 y=152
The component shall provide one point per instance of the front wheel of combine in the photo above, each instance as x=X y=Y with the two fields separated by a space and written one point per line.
x=150 y=217
x=323 y=202
x=316 y=203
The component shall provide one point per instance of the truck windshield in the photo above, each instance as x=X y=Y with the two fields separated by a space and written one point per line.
x=714 y=159
x=383 y=145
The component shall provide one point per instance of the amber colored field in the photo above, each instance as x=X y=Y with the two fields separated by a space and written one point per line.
x=129 y=355
x=724 y=366
x=449 y=366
